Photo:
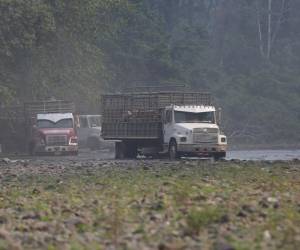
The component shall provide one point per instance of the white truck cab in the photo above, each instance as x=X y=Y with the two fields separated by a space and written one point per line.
x=193 y=130
x=89 y=131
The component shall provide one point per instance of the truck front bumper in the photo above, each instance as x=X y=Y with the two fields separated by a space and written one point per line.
x=58 y=149
x=201 y=149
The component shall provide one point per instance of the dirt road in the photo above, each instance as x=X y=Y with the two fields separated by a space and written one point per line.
x=98 y=155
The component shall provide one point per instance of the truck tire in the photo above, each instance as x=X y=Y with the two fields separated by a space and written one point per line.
x=119 y=150
x=130 y=150
x=173 y=154
x=31 y=149
x=75 y=153
x=219 y=156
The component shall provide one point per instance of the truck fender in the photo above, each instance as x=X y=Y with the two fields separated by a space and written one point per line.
x=172 y=139
x=172 y=149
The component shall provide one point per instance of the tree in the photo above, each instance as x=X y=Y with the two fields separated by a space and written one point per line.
x=275 y=17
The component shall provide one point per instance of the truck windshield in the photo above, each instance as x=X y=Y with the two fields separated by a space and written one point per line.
x=63 y=123
x=95 y=121
x=189 y=117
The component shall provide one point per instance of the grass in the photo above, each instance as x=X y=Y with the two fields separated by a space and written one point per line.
x=151 y=205
x=200 y=218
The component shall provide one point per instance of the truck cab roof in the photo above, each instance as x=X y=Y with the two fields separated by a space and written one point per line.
x=194 y=109
x=55 y=117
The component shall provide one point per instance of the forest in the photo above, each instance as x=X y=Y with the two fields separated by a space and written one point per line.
x=245 y=52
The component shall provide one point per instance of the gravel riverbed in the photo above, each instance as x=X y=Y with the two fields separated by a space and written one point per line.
x=89 y=203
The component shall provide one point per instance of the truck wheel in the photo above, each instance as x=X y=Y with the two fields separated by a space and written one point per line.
x=218 y=156
x=31 y=148
x=119 y=150
x=75 y=153
x=173 y=154
x=130 y=150
x=93 y=143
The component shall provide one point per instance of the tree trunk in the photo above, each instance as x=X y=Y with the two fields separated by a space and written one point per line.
x=259 y=29
x=269 y=28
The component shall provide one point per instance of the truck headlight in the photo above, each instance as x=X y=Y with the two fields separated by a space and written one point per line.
x=42 y=142
x=223 y=139
x=183 y=139
x=73 y=140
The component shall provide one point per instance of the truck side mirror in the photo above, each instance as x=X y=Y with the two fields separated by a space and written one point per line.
x=219 y=116
x=34 y=127
x=163 y=116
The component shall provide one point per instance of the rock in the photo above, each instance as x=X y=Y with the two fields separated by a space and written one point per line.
x=73 y=222
x=248 y=209
x=263 y=203
x=6 y=160
x=267 y=235
x=222 y=245
x=157 y=206
x=59 y=182
x=3 y=220
x=25 y=163
x=31 y=216
x=41 y=226
x=36 y=191
x=241 y=213
x=155 y=217
x=262 y=215
x=146 y=168
x=199 y=197
x=272 y=200
x=161 y=246
x=171 y=246
x=12 y=244
x=224 y=218
x=9 y=161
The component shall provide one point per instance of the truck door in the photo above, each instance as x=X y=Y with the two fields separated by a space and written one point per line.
x=95 y=126
x=83 y=130
x=168 y=125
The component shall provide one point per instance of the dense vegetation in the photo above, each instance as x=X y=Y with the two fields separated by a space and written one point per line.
x=246 y=52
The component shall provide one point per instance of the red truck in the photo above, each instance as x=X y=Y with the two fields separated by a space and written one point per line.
x=40 y=127
x=52 y=127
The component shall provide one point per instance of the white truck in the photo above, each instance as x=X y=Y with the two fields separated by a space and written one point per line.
x=178 y=123
x=89 y=131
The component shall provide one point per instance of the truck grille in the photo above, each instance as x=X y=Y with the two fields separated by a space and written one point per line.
x=57 y=140
x=205 y=130
x=209 y=135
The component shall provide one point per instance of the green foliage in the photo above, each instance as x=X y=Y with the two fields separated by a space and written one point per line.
x=6 y=95
x=79 y=49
